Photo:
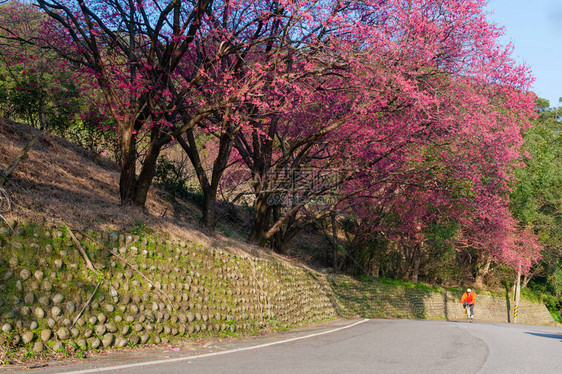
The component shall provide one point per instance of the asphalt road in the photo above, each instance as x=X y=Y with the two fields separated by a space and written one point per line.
x=370 y=346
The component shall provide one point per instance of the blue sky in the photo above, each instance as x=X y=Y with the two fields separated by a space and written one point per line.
x=534 y=27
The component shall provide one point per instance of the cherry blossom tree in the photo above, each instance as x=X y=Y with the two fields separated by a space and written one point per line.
x=413 y=104
x=132 y=49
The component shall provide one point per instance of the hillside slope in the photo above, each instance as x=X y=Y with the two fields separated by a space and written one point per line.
x=62 y=182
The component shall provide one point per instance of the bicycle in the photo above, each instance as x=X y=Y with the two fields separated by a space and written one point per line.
x=469 y=317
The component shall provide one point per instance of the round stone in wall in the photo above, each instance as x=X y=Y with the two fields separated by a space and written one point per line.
x=46 y=334
x=27 y=337
x=44 y=300
x=102 y=318
x=58 y=298
x=6 y=328
x=39 y=275
x=108 y=340
x=96 y=343
x=29 y=298
x=82 y=343
x=100 y=330
x=25 y=274
x=14 y=261
x=47 y=286
x=70 y=307
x=121 y=342
x=38 y=347
x=111 y=327
x=63 y=333
x=56 y=311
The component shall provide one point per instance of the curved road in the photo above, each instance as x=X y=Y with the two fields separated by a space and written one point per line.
x=373 y=346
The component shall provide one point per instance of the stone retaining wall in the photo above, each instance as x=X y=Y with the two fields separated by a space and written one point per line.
x=145 y=289
x=372 y=299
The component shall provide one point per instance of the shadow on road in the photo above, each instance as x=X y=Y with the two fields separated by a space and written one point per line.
x=543 y=335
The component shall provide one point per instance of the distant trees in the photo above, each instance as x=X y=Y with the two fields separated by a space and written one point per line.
x=40 y=88
x=536 y=200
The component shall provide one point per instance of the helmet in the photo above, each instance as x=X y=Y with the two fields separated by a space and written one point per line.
x=468 y=290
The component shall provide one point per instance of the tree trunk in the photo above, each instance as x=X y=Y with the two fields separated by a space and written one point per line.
x=40 y=113
x=416 y=269
x=526 y=280
x=481 y=273
x=209 y=219
x=209 y=188
x=282 y=240
x=221 y=160
x=144 y=181
x=261 y=226
x=128 y=167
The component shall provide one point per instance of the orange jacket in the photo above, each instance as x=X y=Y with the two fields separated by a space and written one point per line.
x=468 y=297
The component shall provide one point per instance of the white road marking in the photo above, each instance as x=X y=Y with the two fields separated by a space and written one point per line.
x=188 y=358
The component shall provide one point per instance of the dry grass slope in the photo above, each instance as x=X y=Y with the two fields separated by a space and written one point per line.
x=62 y=182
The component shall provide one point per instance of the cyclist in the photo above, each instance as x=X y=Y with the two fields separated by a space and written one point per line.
x=467 y=300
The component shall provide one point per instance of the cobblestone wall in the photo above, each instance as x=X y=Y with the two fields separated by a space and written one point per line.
x=372 y=299
x=144 y=290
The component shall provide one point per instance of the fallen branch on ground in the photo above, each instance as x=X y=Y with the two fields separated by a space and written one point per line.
x=141 y=274
x=22 y=155
x=82 y=251
x=86 y=304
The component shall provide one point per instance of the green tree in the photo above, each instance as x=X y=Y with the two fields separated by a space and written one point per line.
x=536 y=200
